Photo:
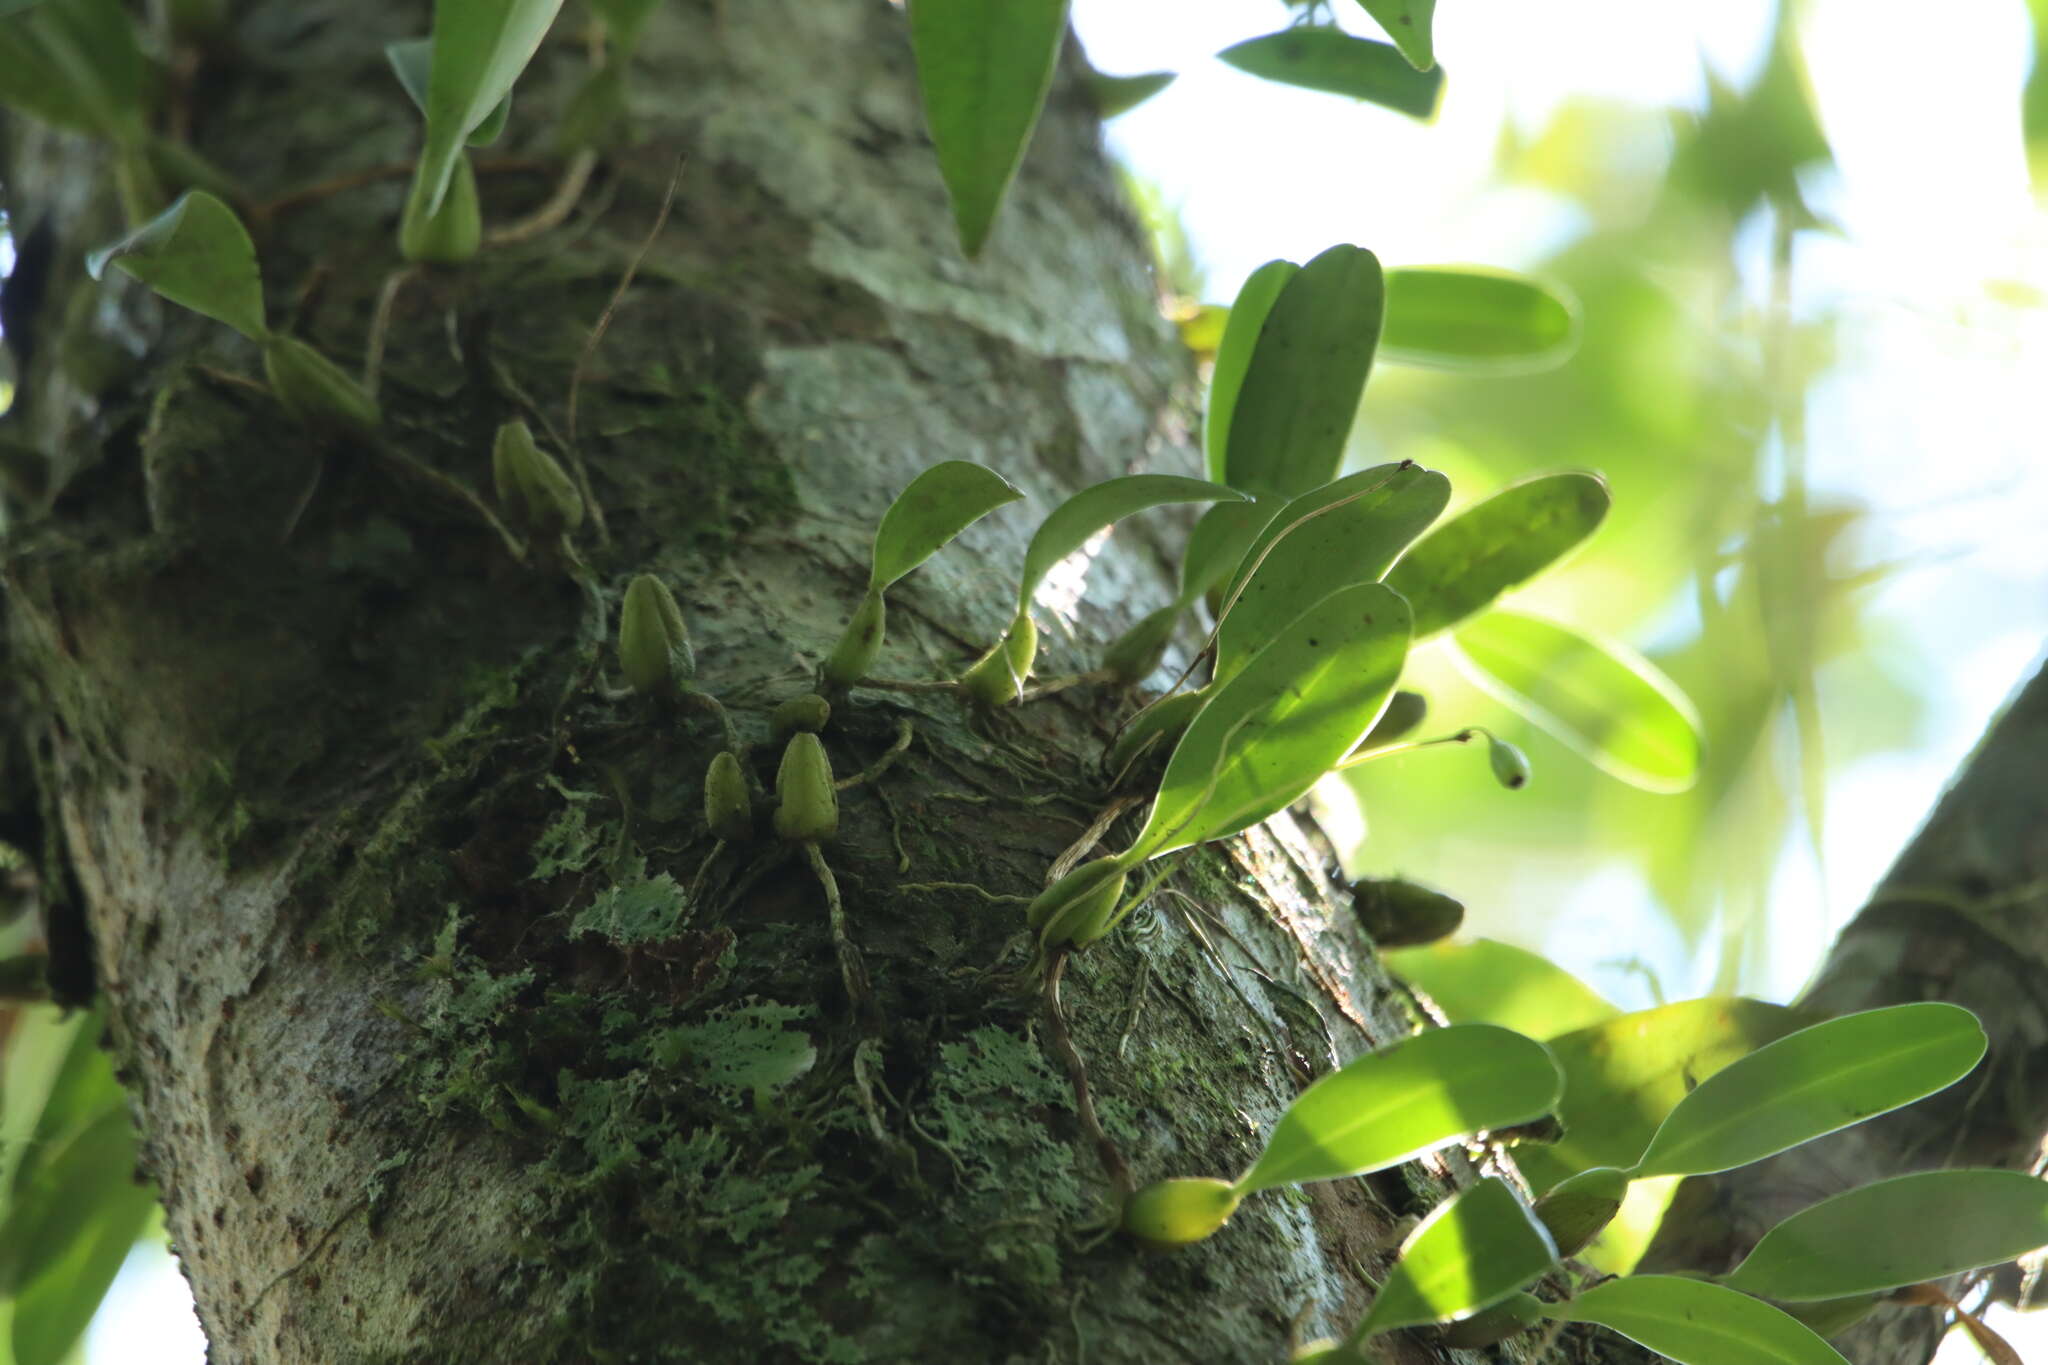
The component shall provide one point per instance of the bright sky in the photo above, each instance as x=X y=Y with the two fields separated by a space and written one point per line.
x=1934 y=417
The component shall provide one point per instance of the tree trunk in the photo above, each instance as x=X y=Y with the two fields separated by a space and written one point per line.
x=453 y=1036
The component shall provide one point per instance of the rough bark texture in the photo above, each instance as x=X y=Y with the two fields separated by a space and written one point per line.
x=1961 y=916
x=452 y=1035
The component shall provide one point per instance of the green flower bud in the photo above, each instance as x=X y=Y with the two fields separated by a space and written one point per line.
x=1402 y=914
x=314 y=389
x=1405 y=711
x=654 y=644
x=1155 y=730
x=997 y=678
x=806 y=806
x=536 y=493
x=853 y=658
x=1577 y=1208
x=727 y=808
x=1133 y=655
x=1089 y=909
x=452 y=235
x=1516 y=1313
x=808 y=711
x=1510 y=765
x=1178 y=1213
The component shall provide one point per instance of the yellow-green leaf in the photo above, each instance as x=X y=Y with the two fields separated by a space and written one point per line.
x=1477 y=320
x=480 y=47
x=1116 y=95
x=1484 y=981
x=1472 y=1251
x=1407 y=22
x=1241 y=329
x=1331 y=60
x=1103 y=504
x=1458 y=569
x=1694 y=1322
x=936 y=506
x=195 y=253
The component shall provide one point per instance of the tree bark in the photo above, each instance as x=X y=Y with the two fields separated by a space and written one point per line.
x=452 y=1034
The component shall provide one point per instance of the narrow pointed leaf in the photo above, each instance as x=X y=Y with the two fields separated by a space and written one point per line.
x=1408 y=23
x=1342 y=533
x=76 y=1220
x=1476 y=320
x=1898 y=1232
x=1488 y=982
x=1218 y=544
x=1308 y=368
x=1266 y=736
x=1331 y=60
x=938 y=505
x=1458 y=569
x=1234 y=355
x=1624 y=1074
x=984 y=67
x=1100 y=505
x=195 y=253
x=1810 y=1083
x=1601 y=698
x=412 y=61
x=1116 y=95
x=1695 y=1322
x=1473 y=1250
x=480 y=47
x=1392 y=1105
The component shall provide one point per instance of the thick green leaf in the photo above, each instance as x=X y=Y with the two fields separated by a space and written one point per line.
x=1603 y=699
x=1474 y=319
x=984 y=67
x=1331 y=60
x=1474 y=1249
x=1120 y=94
x=75 y=65
x=1407 y=22
x=1100 y=505
x=1808 y=1084
x=1392 y=1105
x=1234 y=355
x=1898 y=1232
x=1266 y=735
x=195 y=253
x=412 y=61
x=1697 y=1323
x=1463 y=565
x=938 y=505
x=1300 y=391
x=1487 y=982
x=1339 y=534
x=1624 y=1074
x=480 y=47
x=1218 y=544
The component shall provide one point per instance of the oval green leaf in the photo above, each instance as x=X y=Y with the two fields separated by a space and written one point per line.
x=1100 y=505
x=1234 y=355
x=480 y=47
x=1266 y=735
x=1408 y=23
x=984 y=67
x=1810 y=1083
x=1393 y=1105
x=1487 y=982
x=1300 y=391
x=1331 y=60
x=1898 y=1232
x=1116 y=95
x=75 y=66
x=936 y=506
x=1601 y=698
x=1332 y=537
x=1623 y=1075
x=1218 y=544
x=198 y=254
x=1458 y=569
x=1473 y=319
x=1472 y=1251
x=1694 y=1322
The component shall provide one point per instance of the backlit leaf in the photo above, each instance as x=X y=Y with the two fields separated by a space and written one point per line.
x=1487 y=982
x=1120 y=94
x=1459 y=568
x=1474 y=319
x=1331 y=60
x=1100 y=505
x=195 y=253
x=1234 y=355
x=1392 y=1105
x=1266 y=735
x=480 y=47
x=1695 y=1322
x=1812 y=1082
x=1300 y=391
x=1407 y=22
x=76 y=1222
x=1218 y=544
x=938 y=505
x=984 y=67
x=1473 y=1250
x=1601 y=698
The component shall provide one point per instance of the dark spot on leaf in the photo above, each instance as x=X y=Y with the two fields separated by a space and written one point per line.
x=1314 y=643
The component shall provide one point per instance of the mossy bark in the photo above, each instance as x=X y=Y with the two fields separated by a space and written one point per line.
x=453 y=1034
